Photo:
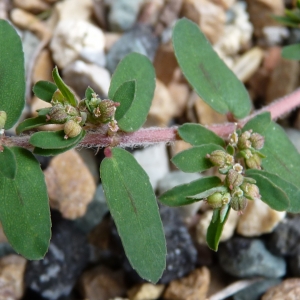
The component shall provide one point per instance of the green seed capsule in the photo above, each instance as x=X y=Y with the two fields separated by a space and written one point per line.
x=3 y=118
x=72 y=129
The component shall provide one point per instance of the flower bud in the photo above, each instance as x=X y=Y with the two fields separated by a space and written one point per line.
x=244 y=142
x=251 y=191
x=215 y=200
x=58 y=115
x=105 y=110
x=233 y=139
x=254 y=162
x=3 y=118
x=72 y=129
x=238 y=201
x=220 y=158
x=257 y=141
x=234 y=179
x=71 y=110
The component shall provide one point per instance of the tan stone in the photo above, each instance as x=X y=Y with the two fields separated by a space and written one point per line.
x=12 y=268
x=36 y=104
x=209 y=16
x=192 y=287
x=258 y=218
x=146 y=291
x=179 y=93
x=35 y=6
x=289 y=289
x=110 y=39
x=102 y=283
x=28 y=21
x=43 y=67
x=70 y=184
x=205 y=220
x=224 y=3
x=283 y=80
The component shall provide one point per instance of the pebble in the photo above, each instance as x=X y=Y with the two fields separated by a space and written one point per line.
x=34 y=6
x=79 y=75
x=56 y=274
x=275 y=35
x=43 y=67
x=225 y=3
x=102 y=283
x=154 y=160
x=228 y=230
x=146 y=291
x=258 y=218
x=192 y=287
x=256 y=290
x=209 y=16
x=70 y=185
x=95 y=212
x=73 y=39
x=243 y=257
x=289 y=289
x=123 y=14
x=139 y=39
x=12 y=268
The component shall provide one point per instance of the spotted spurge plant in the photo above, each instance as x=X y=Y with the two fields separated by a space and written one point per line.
x=254 y=157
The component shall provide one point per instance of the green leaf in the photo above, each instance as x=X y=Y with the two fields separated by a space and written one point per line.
x=194 y=159
x=292 y=191
x=65 y=90
x=213 y=81
x=44 y=90
x=125 y=96
x=31 y=123
x=54 y=139
x=24 y=207
x=53 y=152
x=271 y=194
x=260 y=121
x=12 y=74
x=133 y=206
x=198 y=135
x=286 y=21
x=215 y=229
x=177 y=195
x=291 y=52
x=89 y=93
x=43 y=111
x=8 y=166
x=207 y=193
x=138 y=68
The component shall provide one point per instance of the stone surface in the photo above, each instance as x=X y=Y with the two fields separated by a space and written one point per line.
x=56 y=274
x=225 y=3
x=79 y=75
x=289 y=289
x=179 y=93
x=35 y=6
x=256 y=290
x=94 y=213
x=70 y=184
x=139 y=39
x=77 y=39
x=36 y=104
x=43 y=67
x=154 y=160
x=243 y=257
x=258 y=218
x=284 y=79
x=102 y=283
x=205 y=220
x=123 y=14
x=209 y=16
x=192 y=287
x=146 y=291
x=12 y=269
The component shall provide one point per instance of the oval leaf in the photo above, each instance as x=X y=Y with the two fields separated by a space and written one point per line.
x=24 y=207
x=8 y=166
x=259 y=122
x=213 y=81
x=291 y=52
x=65 y=90
x=133 y=206
x=197 y=135
x=177 y=195
x=215 y=229
x=194 y=159
x=292 y=191
x=54 y=139
x=125 y=96
x=138 y=68
x=271 y=194
x=12 y=74
x=31 y=123
x=44 y=90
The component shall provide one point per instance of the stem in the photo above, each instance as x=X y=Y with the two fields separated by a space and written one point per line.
x=149 y=136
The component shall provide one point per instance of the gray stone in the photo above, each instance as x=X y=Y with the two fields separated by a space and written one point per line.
x=139 y=39
x=256 y=290
x=294 y=36
x=294 y=136
x=243 y=257
x=95 y=212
